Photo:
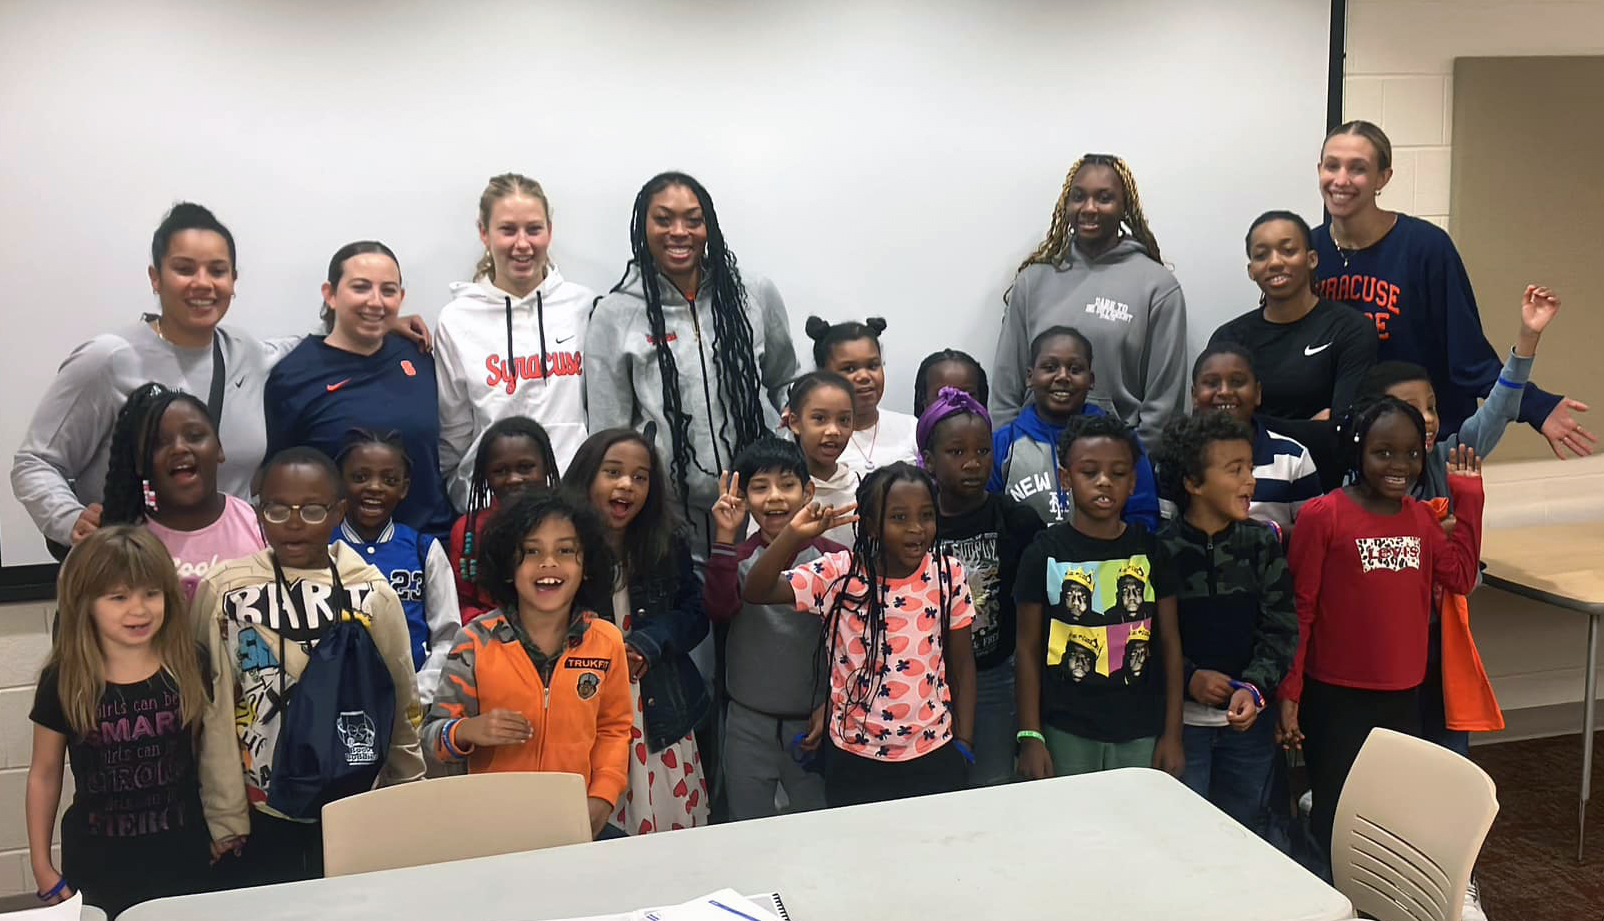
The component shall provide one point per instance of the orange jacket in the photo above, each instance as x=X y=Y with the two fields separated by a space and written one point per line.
x=1467 y=693
x=582 y=722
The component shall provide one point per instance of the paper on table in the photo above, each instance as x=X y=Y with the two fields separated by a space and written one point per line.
x=70 y=910
x=723 y=905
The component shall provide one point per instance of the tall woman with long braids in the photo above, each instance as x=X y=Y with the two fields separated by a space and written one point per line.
x=682 y=341
x=1112 y=286
x=1405 y=274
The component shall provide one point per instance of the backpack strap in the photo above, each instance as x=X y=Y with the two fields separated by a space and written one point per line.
x=338 y=598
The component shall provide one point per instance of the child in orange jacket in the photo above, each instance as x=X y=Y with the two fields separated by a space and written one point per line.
x=540 y=683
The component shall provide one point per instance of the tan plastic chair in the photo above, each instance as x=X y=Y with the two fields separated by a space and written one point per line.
x=453 y=818
x=1411 y=819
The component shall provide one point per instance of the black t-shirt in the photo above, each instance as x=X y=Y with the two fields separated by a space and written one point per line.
x=1308 y=365
x=134 y=774
x=1103 y=677
x=988 y=542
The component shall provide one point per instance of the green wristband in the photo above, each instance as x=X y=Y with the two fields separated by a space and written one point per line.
x=1024 y=734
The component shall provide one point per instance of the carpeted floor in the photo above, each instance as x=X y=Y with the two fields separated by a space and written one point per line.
x=1528 y=869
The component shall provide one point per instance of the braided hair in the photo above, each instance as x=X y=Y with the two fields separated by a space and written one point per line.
x=134 y=437
x=982 y=386
x=1357 y=422
x=1055 y=247
x=479 y=495
x=359 y=437
x=734 y=351
x=861 y=592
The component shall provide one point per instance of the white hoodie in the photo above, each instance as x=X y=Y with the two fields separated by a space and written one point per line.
x=489 y=370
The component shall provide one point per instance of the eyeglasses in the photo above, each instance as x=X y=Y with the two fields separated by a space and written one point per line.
x=311 y=513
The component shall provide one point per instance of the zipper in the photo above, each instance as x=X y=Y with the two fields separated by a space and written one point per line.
x=707 y=396
x=1213 y=590
x=545 y=724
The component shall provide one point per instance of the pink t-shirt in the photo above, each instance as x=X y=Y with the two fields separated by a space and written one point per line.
x=233 y=535
x=911 y=713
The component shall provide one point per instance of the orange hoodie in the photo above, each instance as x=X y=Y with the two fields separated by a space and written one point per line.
x=582 y=721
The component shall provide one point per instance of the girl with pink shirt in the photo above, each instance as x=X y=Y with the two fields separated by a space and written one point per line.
x=163 y=474
x=902 y=667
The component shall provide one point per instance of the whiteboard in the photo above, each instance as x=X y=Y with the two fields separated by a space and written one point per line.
x=892 y=158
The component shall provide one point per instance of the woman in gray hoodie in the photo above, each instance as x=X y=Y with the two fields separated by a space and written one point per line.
x=682 y=342
x=1112 y=287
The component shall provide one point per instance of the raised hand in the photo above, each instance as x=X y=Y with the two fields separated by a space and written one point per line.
x=814 y=518
x=729 y=510
x=1564 y=432
x=1462 y=461
x=1537 y=308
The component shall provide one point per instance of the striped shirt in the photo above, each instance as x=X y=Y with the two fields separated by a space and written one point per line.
x=1284 y=477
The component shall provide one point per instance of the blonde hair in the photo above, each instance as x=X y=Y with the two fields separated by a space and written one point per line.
x=114 y=557
x=498 y=188
x=1054 y=248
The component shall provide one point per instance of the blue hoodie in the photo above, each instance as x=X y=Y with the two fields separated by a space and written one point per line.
x=1025 y=466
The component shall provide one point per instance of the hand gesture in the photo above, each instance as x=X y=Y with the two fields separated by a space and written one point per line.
x=813 y=519
x=232 y=844
x=1537 y=308
x=498 y=727
x=1287 y=731
x=1243 y=711
x=1209 y=687
x=1562 y=430
x=729 y=511
x=1035 y=761
x=1169 y=756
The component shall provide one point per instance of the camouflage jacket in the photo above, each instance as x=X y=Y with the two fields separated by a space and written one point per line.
x=1237 y=613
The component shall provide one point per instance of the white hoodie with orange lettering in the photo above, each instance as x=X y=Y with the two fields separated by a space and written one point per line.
x=498 y=355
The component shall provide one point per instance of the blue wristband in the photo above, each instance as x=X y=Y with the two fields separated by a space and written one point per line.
x=965 y=750
x=1258 y=696
x=445 y=737
x=54 y=890
x=1510 y=384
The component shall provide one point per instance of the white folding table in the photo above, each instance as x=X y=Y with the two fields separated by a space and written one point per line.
x=1128 y=844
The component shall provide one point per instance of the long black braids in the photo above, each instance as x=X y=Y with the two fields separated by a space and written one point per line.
x=479 y=495
x=862 y=591
x=134 y=437
x=734 y=350
x=982 y=386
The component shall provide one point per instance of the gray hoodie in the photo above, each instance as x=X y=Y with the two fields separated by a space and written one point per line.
x=1132 y=311
x=623 y=386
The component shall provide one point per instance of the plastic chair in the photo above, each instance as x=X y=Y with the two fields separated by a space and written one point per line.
x=453 y=818
x=1411 y=819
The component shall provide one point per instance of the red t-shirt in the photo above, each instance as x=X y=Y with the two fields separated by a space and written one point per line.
x=1363 y=586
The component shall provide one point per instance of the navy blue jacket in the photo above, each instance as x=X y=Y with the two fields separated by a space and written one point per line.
x=318 y=393
x=667 y=622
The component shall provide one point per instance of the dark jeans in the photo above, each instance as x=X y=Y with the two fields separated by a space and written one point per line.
x=1232 y=770
x=1336 y=721
x=277 y=851
x=851 y=780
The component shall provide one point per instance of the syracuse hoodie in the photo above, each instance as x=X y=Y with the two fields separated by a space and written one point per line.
x=1131 y=310
x=496 y=356
x=624 y=387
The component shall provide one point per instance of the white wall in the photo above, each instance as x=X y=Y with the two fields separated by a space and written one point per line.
x=1399 y=73
x=895 y=157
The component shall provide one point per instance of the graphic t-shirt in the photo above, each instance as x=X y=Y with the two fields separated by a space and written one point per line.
x=1102 y=678
x=988 y=541
x=195 y=553
x=911 y=713
x=134 y=774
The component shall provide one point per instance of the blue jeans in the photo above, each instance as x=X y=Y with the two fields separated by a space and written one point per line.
x=1232 y=770
x=995 y=723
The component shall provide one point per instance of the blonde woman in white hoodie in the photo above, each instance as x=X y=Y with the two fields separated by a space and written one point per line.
x=510 y=342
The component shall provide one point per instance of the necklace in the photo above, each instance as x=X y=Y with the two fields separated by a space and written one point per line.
x=1346 y=251
x=156 y=324
x=868 y=456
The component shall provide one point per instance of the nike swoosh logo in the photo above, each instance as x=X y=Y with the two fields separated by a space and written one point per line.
x=239 y=383
x=1311 y=350
x=337 y=386
x=564 y=339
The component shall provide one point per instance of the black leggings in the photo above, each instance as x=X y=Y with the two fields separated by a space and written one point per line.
x=277 y=851
x=1335 y=721
x=851 y=780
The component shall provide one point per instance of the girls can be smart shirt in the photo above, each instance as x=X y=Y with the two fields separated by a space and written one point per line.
x=910 y=714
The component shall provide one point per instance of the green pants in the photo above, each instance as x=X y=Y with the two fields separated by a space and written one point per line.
x=1075 y=755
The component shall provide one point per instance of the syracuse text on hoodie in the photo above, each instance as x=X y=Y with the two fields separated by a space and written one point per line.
x=1131 y=310
x=624 y=385
x=497 y=355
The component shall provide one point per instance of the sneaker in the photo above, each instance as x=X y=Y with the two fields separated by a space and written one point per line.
x=1472 y=910
x=1306 y=804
